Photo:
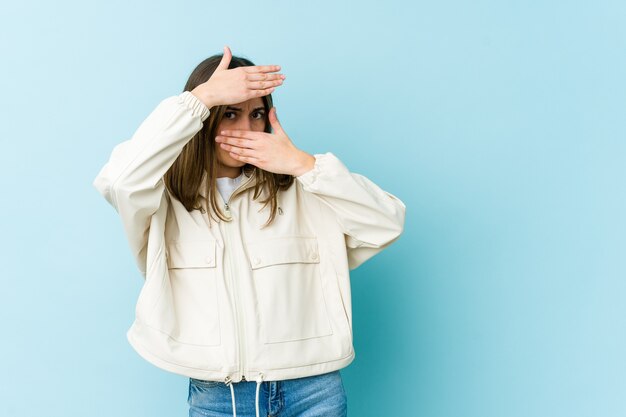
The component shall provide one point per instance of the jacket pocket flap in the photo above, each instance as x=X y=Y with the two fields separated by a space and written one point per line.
x=283 y=250
x=191 y=254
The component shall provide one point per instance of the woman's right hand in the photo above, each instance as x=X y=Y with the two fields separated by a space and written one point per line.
x=236 y=85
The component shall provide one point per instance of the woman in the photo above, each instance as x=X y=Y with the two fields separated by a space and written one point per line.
x=245 y=243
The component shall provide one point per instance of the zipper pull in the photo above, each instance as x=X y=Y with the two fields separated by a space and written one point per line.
x=227 y=208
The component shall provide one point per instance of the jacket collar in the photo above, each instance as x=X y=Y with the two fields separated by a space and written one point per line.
x=248 y=181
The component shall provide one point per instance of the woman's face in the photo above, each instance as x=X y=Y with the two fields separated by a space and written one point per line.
x=249 y=115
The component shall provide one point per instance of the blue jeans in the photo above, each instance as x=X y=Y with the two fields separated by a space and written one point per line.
x=311 y=396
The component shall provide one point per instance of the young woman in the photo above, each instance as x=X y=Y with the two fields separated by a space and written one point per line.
x=245 y=243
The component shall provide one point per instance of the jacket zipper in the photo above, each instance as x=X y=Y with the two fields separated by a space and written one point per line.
x=240 y=326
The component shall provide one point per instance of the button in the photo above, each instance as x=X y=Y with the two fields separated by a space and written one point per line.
x=208 y=259
x=313 y=255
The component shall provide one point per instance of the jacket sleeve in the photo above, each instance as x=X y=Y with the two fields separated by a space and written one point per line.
x=371 y=218
x=131 y=181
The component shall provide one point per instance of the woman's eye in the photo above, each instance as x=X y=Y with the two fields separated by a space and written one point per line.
x=261 y=114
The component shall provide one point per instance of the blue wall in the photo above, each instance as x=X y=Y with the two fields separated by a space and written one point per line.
x=500 y=124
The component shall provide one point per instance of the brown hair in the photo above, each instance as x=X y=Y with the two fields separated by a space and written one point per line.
x=199 y=156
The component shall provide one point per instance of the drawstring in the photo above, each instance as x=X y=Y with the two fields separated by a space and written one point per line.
x=229 y=382
x=258 y=385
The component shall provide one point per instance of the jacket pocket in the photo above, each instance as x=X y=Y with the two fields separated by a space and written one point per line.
x=286 y=273
x=189 y=309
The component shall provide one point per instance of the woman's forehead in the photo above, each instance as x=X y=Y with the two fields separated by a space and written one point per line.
x=249 y=104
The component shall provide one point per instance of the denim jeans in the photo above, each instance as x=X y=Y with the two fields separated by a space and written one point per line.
x=311 y=396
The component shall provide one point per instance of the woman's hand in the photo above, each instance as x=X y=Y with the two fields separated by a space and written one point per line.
x=236 y=85
x=273 y=152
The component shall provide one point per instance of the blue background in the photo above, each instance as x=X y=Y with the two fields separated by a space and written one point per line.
x=500 y=124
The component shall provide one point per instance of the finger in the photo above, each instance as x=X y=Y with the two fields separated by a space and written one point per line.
x=238 y=142
x=232 y=148
x=261 y=93
x=263 y=85
x=274 y=121
x=248 y=159
x=239 y=151
x=261 y=68
x=226 y=57
x=245 y=134
x=264 y=76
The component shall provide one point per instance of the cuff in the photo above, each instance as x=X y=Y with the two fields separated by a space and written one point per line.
x=192 y=102
x=326 y=163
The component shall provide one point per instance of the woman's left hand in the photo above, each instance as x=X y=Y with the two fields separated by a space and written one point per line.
x=273 y=152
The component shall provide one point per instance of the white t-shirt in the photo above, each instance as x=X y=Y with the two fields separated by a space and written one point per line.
x=226 y=185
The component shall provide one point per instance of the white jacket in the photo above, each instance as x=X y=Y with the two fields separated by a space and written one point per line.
x=236 y=300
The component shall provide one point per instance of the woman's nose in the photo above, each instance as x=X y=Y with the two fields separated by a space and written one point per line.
x=243 y=123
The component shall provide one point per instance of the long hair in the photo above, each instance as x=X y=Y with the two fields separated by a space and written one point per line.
x=199 y=156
